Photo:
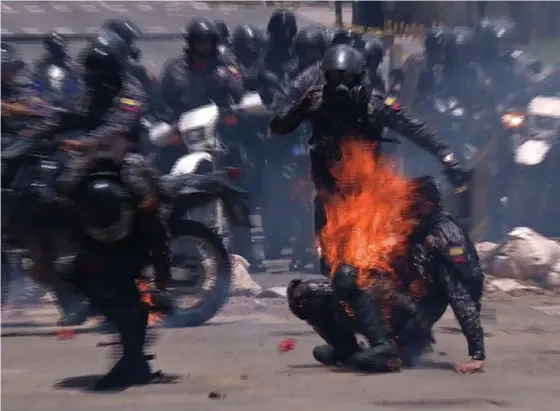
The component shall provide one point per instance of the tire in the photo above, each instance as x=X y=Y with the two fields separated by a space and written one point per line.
x=206 y=309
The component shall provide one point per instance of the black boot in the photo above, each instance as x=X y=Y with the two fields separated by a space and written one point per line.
x=74 y=308
x=244 y=246
x=368 y=320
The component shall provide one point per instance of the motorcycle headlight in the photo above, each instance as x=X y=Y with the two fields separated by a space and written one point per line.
x=195 y=136
x=513 y=120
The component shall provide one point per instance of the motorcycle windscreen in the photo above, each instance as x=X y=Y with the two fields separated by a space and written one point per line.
x=470 y=206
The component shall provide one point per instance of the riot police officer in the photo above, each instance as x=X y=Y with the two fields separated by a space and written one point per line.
x=373 y=55
x=248 y=43
x=199 y=76
x=498 y=57
x=281 y=29
x=344 y=106
x=109 y=112
x=348 y=37
x=224 y=45
x=56 y=53
x=429 y=63
x=310 y=44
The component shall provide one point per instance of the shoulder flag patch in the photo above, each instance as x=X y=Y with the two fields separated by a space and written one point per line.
x=129 y=102
x=234 y=71
x=393 y=103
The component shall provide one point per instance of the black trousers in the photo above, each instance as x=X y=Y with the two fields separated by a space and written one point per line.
x=108 y=279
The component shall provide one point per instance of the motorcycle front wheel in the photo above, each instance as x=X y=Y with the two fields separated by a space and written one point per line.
x=201 y=274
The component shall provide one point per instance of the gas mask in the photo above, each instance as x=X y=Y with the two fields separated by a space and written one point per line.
x=346 y=88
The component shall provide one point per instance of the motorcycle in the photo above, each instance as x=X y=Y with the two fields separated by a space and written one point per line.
x=195 y=273
x=204 y=150
x=532 y=199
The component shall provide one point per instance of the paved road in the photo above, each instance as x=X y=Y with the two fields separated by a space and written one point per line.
x=28 y=17
x=236 y=357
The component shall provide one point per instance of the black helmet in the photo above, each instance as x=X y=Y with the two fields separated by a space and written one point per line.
x=282 y=26
x=427 y=189
x=310 y=38
x=202 y=29
x=343 y=68
x=436 y=43
x=248 y=38
x=462 y=50
x=106 y=59
x=496 y=35
x=127 y=30
x=223 y=30
x=55 y=44
x=104 y=209
x=348 y=37
x=373 y=52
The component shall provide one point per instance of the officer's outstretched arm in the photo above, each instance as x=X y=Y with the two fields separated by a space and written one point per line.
x=466 y=312
x=415 y=130
x=291 y=118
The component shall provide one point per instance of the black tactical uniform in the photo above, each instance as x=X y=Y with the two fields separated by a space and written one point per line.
x=442 y=255
x=430 y=64
x=199 y=76
x=281 y=30
x=129 y=32
x=344 y=107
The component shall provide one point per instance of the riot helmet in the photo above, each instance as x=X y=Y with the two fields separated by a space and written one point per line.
x=105 y=62
x=202 y=37
x=104 y=209
x=282 y=27
x=495 y=36
x=427 y=196
x=373 y=53
x=462 y=50
x=55 y=45
x=436 y=43
x=344 y=68
x=248 y=42
x=348 y=37
x=128 y=31
x=310 y=44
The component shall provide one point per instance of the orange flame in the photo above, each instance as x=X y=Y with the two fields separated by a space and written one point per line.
x=143 y=286
x=368 y=221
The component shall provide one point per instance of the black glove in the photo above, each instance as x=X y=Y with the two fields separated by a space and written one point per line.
x=454 y=171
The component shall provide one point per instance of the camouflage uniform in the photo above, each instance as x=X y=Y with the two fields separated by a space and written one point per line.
x=183 y=88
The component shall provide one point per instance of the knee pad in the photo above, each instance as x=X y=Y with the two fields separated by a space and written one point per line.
x=310 y=300
x=345 y=281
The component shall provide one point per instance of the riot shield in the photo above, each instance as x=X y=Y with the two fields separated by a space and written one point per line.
x=470 y=203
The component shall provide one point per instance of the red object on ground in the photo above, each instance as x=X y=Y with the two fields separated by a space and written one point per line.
x=63 y=335
x=287 y=345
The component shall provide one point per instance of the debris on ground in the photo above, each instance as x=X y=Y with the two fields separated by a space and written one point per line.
x=529 y=260
x=242 y=283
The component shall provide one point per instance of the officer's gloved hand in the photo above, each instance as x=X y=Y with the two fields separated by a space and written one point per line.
x=455 y=172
